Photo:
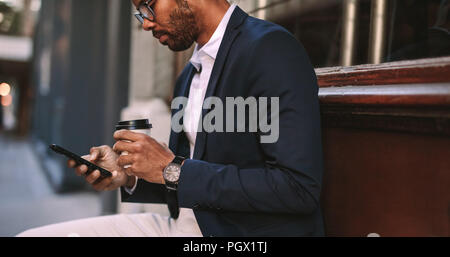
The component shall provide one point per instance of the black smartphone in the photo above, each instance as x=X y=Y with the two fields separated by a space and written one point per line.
x=80 y=161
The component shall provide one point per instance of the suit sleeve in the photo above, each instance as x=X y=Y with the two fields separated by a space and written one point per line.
x=290 y=179
x=145 y=192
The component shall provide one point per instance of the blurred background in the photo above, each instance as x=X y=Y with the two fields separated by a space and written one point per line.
x=70 y=70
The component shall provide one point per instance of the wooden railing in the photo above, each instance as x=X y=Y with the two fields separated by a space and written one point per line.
x=386 y=138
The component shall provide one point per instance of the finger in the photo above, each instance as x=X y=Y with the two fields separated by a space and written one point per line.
x=113 y=185
x=95 y=152
x=128 y=135
x=100 y=186
x=93 y=177
x=122 y=146
x=104 y=183
x=125 y=160
x=71 y=163
x=129 y=171
x=81 y=170
x=99 y=152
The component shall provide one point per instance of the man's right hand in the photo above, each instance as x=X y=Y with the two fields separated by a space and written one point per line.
x=104 y=157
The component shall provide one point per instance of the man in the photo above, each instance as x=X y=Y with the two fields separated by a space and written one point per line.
x=220 y=184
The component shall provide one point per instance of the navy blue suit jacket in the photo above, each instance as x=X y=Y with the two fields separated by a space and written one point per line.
x=236 y=185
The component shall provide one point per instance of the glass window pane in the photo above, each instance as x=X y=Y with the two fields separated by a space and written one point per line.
x=418 y=29
x=344 y=32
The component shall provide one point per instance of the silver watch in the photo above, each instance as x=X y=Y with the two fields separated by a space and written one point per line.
x=172 y=173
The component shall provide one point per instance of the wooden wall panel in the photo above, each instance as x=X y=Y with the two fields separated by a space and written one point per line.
x=392 y=184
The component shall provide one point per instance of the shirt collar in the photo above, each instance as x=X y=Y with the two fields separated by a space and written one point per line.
x=212 y=47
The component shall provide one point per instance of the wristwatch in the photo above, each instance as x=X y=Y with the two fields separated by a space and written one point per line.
x=171 y=176
x=172 y=172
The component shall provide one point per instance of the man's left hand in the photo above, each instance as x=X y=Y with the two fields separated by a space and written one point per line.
x=147 y=157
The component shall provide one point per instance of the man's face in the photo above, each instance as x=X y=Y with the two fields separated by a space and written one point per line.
x=175 y=24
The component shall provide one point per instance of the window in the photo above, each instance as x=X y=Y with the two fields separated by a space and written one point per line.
x=352 y=32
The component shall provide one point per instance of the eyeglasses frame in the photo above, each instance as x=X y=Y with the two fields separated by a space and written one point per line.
x=141 y=17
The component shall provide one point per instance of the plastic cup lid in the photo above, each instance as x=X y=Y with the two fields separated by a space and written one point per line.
x=134 y=124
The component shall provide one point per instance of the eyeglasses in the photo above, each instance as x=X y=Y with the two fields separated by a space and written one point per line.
x=145 y=11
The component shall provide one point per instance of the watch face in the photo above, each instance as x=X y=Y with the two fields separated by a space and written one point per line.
x=172 y=173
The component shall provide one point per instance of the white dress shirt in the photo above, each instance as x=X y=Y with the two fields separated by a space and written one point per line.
x=203 y=60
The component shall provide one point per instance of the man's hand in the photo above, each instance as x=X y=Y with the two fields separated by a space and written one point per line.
x=147 y=157
x=104 y=157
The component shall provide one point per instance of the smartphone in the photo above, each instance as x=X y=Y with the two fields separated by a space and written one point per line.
x=80 y=161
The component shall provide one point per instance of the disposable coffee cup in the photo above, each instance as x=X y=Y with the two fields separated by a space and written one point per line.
x=138 y=126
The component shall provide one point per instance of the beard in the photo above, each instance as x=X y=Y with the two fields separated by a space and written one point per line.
x=183 y=29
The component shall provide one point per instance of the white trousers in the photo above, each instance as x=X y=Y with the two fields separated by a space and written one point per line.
x=123 y=225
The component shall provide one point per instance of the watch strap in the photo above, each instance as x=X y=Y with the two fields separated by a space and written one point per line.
x=171 y=192
x=178 y=160
x=171 y=186
x=172 y=203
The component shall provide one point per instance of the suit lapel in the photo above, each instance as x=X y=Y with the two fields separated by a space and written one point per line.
x=183 y=91
x=231 y=34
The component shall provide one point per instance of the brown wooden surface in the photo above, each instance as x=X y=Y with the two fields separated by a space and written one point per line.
x=386 y=140
x=405 y=72
x=388 y=183
x=435 y=94
x=414 y=121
